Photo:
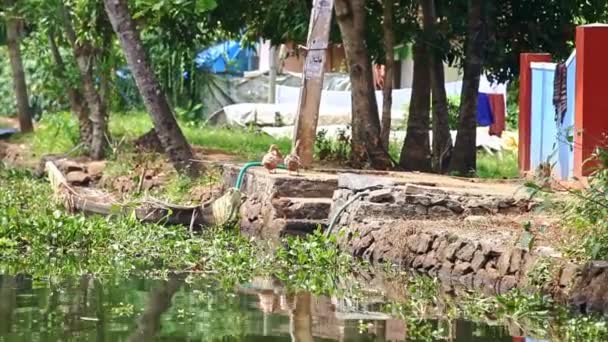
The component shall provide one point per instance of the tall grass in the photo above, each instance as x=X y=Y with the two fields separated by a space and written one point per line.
x=58 y=133
x=245 y=143
x=497 y=166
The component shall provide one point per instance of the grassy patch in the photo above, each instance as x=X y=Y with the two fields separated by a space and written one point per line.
x=497 y=166
x=58 y=133
x=248 y=144
x=55 y=133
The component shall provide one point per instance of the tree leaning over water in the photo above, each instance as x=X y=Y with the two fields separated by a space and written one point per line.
x=165 y=125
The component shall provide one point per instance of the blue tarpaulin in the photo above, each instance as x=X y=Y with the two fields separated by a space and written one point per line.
x=226 y=57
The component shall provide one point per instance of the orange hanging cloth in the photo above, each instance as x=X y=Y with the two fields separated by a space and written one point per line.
x=497 y=103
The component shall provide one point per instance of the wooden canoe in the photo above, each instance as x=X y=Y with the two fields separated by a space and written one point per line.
x=217 y=212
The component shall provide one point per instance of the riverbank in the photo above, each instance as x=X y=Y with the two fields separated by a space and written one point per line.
x=40 y=240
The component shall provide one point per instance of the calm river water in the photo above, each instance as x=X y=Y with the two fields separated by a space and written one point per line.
x=88 y=309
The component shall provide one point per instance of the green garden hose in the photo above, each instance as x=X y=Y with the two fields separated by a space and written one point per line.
x=241 y=177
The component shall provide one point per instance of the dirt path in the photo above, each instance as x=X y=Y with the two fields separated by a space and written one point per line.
x=8 y=122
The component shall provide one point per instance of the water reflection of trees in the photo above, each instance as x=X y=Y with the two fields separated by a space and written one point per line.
x=300 y=318
x=8 y=303
x=159 y=301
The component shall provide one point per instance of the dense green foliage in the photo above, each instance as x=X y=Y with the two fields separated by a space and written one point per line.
x=589 y=211
x=40 y=239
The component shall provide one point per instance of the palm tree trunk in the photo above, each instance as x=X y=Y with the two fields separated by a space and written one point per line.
x=389 y=46
x=79 y=109
x=464 y=159
x=366 y=142
x=83 y=51
x=442 y=140
x=416 y=154
x=166 y=127
x=19 y=84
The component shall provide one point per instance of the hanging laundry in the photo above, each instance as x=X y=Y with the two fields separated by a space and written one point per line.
x=484 y=110
x=497 y=103
x=560 y=92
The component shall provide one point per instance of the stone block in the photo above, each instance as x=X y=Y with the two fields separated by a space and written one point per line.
x=507 y=283
x=440 y=250
x=438 y=241
x=467 y=280
x=425 y=241
x=422 y=200
x=490 y=249
x=467 y=251
x=359 y=183
x=479 y=261
x=516 y=260
x=461 y=269
x=450 y=252
x=420 y=210
x=430 y=260
x=491 y=277
x=454 y=206
x=504 y=263
x=412 y=242
x=445 y=271
x=439 y=212
x=381 y=196
x=418 y=262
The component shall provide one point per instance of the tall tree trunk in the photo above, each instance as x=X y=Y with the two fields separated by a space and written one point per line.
x=389 y=47
x=105 y=68
x=19 y=85
x=79 y=109
x=159 y=301
x=366 y=142
x=416 y=154
x=464 y=159
x=442 y=140
x=84 y=54
x=166 y=127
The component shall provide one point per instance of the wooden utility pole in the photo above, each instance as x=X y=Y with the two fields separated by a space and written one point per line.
x=312 y=79
x=272 y=77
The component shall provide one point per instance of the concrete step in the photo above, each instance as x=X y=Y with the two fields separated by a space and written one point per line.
x=302 y=208
x=258 y=179
x=303 y=227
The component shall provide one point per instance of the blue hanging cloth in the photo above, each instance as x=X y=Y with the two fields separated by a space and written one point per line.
x=484 y=111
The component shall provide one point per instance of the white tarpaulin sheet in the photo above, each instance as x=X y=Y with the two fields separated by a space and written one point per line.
x=508 y=141
x=335 y=106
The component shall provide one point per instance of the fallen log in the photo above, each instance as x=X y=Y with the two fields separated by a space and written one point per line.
x=216 y=212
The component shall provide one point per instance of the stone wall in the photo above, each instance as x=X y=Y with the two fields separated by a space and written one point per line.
x=486 y=264
x=449 y=233
x=387 y=200
x=426 y=229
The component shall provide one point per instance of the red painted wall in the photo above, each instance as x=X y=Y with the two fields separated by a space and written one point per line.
x=591 y=116
x=525 y=105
